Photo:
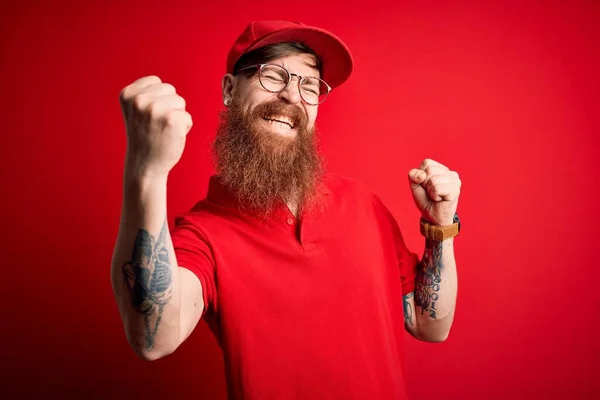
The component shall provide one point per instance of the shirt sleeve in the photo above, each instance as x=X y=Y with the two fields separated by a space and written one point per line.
x=407 y=260
x=193 y=252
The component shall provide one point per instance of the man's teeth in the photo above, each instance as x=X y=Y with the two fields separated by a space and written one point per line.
x=280 y=121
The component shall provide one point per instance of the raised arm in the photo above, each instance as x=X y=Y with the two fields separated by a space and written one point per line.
x=429 y=310
x=160 y=303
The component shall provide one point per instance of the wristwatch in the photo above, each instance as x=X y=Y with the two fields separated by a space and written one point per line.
x=440 y=233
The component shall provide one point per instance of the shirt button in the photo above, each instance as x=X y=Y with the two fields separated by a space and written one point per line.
x=290 y=221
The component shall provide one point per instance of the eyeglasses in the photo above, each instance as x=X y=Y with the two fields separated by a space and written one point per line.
x=274 y=78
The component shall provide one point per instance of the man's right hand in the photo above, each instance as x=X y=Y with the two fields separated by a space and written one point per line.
x=157 y=125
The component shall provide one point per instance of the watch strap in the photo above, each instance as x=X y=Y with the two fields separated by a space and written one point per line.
x=439 y=233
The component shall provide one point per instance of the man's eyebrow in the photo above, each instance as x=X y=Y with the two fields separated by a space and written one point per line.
x=311 y=64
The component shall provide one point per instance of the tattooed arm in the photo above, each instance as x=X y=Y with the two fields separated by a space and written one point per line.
x=429 y=310
x=160 y=303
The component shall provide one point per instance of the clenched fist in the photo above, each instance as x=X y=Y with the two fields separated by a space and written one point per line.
x=157 y=125
x=435 y=190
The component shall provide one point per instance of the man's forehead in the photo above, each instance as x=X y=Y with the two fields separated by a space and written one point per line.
x=299 y=63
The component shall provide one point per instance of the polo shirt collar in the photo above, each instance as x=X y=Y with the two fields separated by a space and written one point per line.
x=219 y=194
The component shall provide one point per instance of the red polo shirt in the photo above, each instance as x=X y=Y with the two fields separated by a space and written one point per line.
x=303 y=308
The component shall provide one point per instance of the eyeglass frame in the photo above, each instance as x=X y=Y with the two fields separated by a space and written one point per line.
x=290 y=75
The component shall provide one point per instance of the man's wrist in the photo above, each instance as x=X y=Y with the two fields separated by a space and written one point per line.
x=440 y=224
x=440 y=231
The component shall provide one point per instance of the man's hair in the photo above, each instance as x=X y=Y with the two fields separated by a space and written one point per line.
x=271 y=52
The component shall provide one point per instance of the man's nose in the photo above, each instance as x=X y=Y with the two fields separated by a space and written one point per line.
x=291 y=93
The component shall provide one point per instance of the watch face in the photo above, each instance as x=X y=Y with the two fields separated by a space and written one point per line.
x=457 y=221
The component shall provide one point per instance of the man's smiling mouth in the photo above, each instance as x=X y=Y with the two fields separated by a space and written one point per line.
x=280 y=120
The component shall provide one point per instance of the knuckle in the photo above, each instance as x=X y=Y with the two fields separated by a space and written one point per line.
x=172 y=119
x=146 y=81
x=177 y=102
x=430 y=169
x=154 y=110
x=188 y=118
x=139 y=102
x=124 y=94
x=166 y=88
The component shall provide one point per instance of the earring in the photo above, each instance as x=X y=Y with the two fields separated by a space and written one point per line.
x=227 y=101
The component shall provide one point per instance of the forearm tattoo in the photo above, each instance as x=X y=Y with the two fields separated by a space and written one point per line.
x=148 y=278
x=408 y=313
x=429 y=278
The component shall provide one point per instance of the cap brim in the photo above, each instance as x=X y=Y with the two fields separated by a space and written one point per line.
x=334 y=55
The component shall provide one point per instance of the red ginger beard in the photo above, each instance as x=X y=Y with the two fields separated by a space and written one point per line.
x=263 y=169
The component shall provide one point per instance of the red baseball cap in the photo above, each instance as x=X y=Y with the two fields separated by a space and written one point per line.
x=334 y=55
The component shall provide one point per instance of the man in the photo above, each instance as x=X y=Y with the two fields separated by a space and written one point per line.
x=303 y=276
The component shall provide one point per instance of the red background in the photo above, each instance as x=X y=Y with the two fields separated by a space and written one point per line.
x=504 y=93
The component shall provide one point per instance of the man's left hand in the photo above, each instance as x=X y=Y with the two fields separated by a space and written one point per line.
x=435 y=190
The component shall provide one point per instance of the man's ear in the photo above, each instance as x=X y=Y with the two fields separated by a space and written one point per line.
x=227 y=88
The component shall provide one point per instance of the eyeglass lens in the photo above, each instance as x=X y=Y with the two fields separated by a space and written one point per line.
x=274 y=78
